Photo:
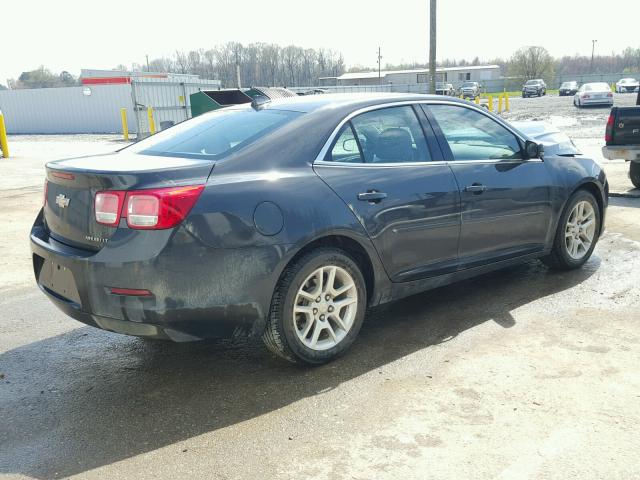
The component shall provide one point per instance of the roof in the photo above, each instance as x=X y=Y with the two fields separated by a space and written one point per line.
x=383 y=73
x=339 y=101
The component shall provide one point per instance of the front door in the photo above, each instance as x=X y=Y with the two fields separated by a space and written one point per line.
x=382 y=167
x=506 y=201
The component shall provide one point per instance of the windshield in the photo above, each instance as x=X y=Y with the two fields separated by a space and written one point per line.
x=628 y=80
x=215 y=134
x=468 y=84
x=568 y=84
x=532 y=82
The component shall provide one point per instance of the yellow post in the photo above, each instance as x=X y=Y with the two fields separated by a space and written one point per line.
x=4 y=145
x=506 y=102
x=477 y=100
x=152 y=124
x=125 y=125
x=499 y=103
x=490 y=103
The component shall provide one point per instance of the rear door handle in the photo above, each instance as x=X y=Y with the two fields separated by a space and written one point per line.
x=372 y=196
x=476 y=188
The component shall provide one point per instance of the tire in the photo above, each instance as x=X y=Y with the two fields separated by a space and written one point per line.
x=284 y=329
x=634 y=174
x=561 y=257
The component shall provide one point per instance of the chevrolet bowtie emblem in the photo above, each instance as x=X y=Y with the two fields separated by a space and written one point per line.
x=62 y=201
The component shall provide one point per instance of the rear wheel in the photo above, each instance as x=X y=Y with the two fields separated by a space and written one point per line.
x=317 y=308
x=634 y=173
x=577 y=234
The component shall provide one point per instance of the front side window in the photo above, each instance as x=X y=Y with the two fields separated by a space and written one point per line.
x=391 y=135
x=214 y=135
x=472 y=135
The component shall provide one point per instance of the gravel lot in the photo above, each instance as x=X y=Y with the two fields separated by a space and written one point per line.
x=520 y=374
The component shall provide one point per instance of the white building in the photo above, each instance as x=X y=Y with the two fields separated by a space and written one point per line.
x=453 y=75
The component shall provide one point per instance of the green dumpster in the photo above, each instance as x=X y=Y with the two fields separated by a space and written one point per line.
x=208 y=100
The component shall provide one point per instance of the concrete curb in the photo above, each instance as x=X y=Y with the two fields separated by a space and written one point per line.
x=624 y=194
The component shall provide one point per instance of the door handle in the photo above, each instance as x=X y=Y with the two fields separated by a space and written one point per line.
x=372 y=196
x=476 y=188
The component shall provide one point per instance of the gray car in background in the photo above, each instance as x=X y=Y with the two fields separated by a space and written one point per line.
x=598 y=93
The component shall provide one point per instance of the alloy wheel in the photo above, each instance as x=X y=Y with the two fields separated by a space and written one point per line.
x=325 y=307
x=580 y=230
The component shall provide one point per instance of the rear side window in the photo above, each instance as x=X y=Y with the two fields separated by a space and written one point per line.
x=387 y=135
x=214 y=135
x=474 y=136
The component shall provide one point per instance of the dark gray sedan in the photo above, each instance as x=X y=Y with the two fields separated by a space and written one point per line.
x=288 y=219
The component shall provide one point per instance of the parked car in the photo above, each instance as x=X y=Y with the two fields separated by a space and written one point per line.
x=287 y=219
x=627 y=85
x=568 y=88
x=534 y=88
x=313 y=91
x=598 y=93
x=622 y=137
x=443 y=88
x=470 y=89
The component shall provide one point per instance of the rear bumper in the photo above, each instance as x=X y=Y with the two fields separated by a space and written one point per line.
x=629 y=153
x=597 y=101
x=197 y=291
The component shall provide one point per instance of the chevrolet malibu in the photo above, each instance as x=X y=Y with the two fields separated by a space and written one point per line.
x=288 y=219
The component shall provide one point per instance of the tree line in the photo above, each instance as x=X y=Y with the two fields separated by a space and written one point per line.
x=266 y=64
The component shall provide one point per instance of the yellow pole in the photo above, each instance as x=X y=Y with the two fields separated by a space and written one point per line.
x=4 y=145
x=477 y=100
x=506 y=102
x=125 y=125
x=490 y=103
x=152 y=124
x=499 y=103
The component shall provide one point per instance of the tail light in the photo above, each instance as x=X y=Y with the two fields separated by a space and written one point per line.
x=108 y=206
x=608 y=132
x=152 y=209
x=586 y=96
x=609 y=94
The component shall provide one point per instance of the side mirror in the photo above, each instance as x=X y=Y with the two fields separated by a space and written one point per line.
x=533 y=150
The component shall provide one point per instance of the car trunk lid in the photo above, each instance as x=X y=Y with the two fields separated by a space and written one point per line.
x=72 y=185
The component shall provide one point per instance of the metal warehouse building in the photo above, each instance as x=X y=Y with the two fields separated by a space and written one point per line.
x=453 y=75
x=95 y=106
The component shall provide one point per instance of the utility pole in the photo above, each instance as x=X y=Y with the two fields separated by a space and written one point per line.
x=147 y=57
x=593 y=49
x=379 y=67
x=432 y=47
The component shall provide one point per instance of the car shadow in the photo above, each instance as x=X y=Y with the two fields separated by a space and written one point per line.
x=88 y=398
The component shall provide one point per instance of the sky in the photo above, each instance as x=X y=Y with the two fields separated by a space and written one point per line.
x=72 y=34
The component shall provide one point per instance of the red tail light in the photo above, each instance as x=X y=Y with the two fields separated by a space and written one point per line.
x=609 y=94
x=586 y=96
x=153 y=209
x=608 y=132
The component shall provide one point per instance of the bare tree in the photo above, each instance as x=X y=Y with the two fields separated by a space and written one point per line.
x=531 y=62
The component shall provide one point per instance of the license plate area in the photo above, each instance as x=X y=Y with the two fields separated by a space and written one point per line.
x=58 y=279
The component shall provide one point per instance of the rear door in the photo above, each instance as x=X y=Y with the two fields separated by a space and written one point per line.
x=506 y=200
x=394 y=180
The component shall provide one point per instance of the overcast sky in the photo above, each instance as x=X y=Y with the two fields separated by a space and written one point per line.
x=74 y=34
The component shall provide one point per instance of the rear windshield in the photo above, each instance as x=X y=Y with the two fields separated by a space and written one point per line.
x=533 y=82
x=596 y=87
x=468 y=84
x=214 y=135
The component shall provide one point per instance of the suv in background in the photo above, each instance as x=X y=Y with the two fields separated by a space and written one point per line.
x=443 y=88
x=534 y=88
x=627 y=85
x=470 y=89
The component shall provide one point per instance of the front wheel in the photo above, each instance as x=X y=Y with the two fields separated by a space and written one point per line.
x=634 y=174
x=577 y=234
x=317 y=309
